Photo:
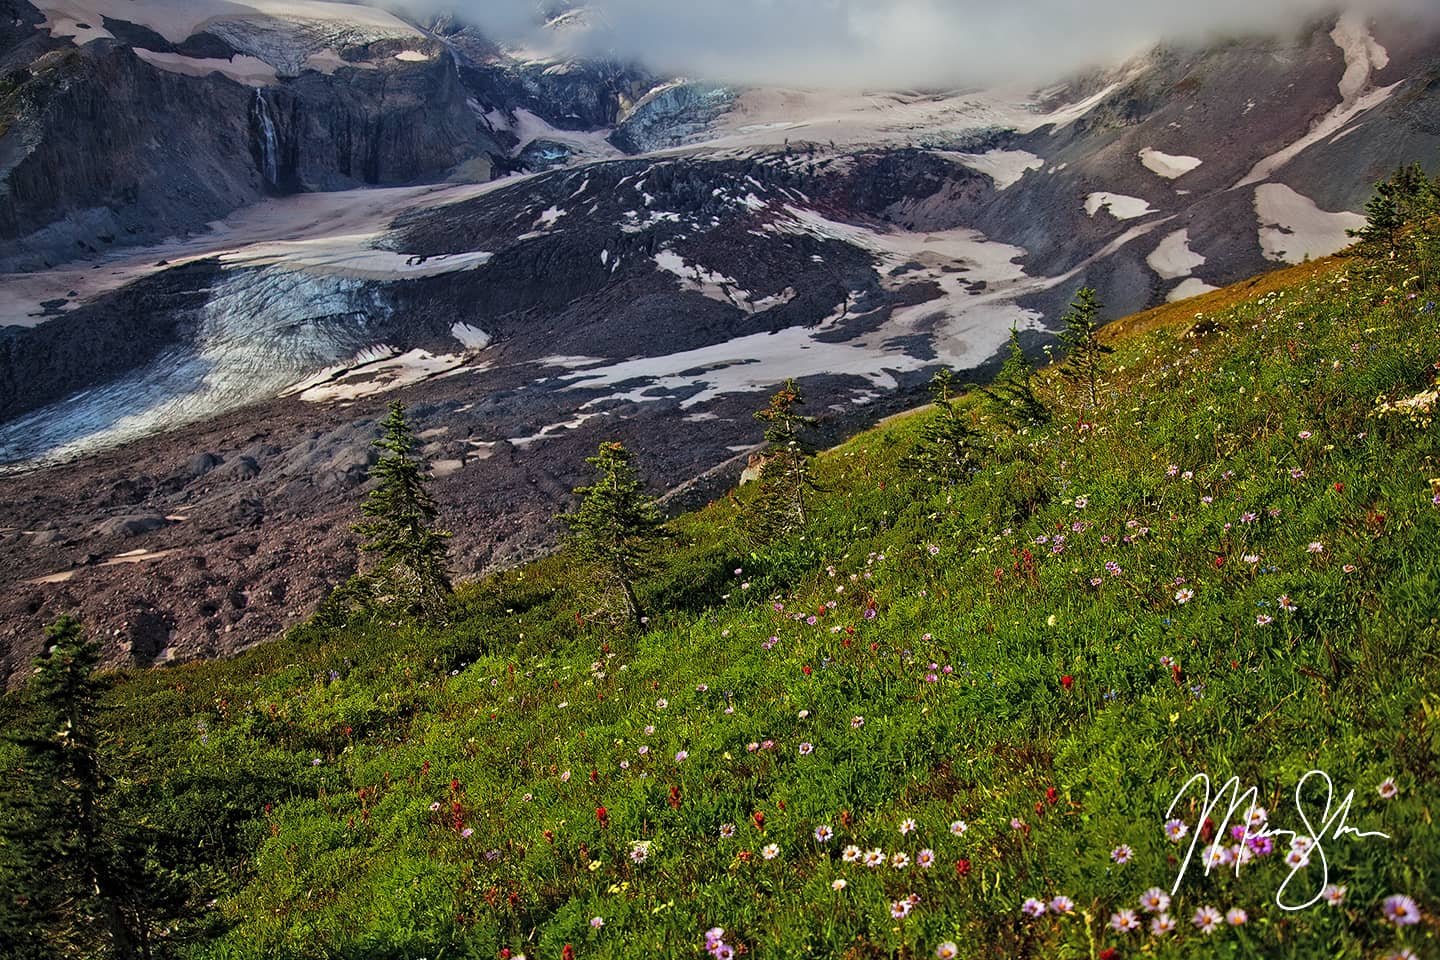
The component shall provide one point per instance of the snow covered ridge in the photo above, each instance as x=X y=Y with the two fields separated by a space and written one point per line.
x=285 y=36
x=178 y=20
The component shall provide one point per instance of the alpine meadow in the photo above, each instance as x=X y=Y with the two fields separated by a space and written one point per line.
x=947 y=689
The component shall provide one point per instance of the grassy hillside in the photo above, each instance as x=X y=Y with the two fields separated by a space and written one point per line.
x=1230 y=568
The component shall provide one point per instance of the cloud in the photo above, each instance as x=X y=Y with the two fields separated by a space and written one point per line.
x=893 y=43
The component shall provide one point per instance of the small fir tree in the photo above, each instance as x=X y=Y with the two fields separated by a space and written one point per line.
x=84 y=876
x=617 y=525
x=399 y=527
x=949 y=449
x=787 y=473
x=1012 y=396
x=1084 y=361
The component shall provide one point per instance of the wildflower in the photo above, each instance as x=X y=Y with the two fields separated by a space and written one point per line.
x=900 y=861
x=1247 y=517
x=1404 y=953
x=565 y=777
x=1286 y=604
x=1062 y=904
x=1033 y=908
x=770 y=851
x=1162 y=925
x=900 y=909
x=823 y=834
x=933 y=549
x=1216 y=856
x=1175 y=830
x=838 y=884
x=661 y=704
x=1297 y=859
x=1305 y=434
x=1333 y=895
x=925 y=859
x=1388 y=788
x=727 y=831
x=1167 y=661
x=875 y=858
x=907 y=826
x=1184 y=595
x=1256 y=817
x=1251 y=558
x=806 y=749
x=947 y=951
x=1264 y=620
x=1123 y=921
x=681 y=756
x=643 y=749
x=467 y=833
x=1122 y=854
x=1236 y=916
x=1067 y=681
x=962 y=867
x=959 y=827
x=435 y=806
x=1154 y=900
x=1081 y=503
x=856 y=723
x=1315 y=547
x=1350 y=567
x=1401 y=910
x=1206 y=920
x=597 y=922
x=640 y=851
x=851 y=854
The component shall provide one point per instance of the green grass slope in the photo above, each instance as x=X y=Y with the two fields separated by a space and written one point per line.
x=1231 y=568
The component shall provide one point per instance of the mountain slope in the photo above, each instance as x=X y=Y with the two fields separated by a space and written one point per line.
x=1000 y=686
x=856 y=242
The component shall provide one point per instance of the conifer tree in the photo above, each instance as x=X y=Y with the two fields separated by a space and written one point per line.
x=1084 y=364
x=399 y=525
x=1012 y=396
x=80 y=874
x=617 y=525
x=787 y=474
x=1383 y=219
x=949 y=449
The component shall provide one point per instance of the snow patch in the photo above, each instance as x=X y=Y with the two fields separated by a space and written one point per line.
x=240 y=68
x=1362 y=53
x=1167 y=165
x=554 y=430
x=472 y=338
x=1005 y=167
x=1190 y=287
x=1118 y=205
x=375 y=376
x=1294 y=229
x=412 y=56
x=1173 y=258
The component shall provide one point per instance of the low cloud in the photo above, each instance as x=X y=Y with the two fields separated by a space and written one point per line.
x=893 y=43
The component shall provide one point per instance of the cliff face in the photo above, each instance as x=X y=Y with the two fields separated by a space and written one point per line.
x=102 y=148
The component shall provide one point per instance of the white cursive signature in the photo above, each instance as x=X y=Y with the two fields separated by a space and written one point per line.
x=1331 y=826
